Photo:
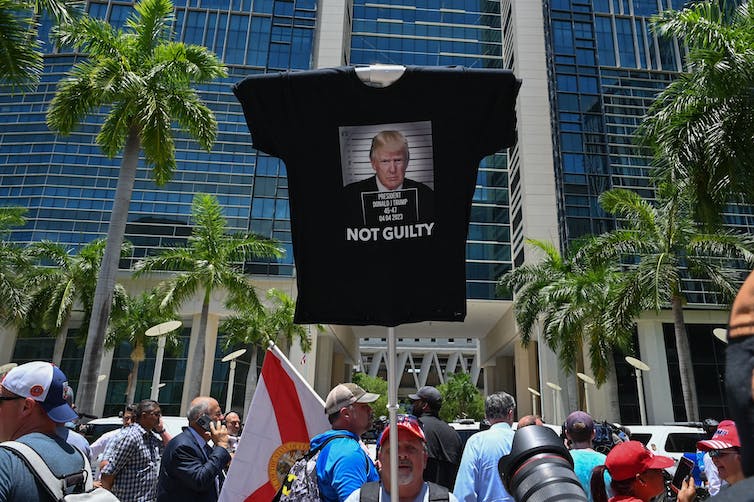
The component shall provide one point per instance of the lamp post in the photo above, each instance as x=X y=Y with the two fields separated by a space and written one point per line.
x=721 y=334
x=587 y=381
x=231 y=376
x=555 y=392
x=157 y=394
x=639 y=366
x=534 y=395
x=159 y=330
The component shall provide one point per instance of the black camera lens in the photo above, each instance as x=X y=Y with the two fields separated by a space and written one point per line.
x=539 y=468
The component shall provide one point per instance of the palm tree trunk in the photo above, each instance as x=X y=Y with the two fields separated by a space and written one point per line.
x=688 y=383
x=132 y=380
x=194 y=380
x=251 y=380
x=57 y=352
x=103 y=294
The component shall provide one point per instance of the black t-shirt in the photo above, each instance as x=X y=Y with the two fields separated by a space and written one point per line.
x=399 y=261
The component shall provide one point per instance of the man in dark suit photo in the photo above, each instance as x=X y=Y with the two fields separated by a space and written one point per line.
x=191 y=469
x=411 y=201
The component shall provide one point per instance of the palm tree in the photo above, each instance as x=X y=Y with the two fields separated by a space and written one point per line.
x=137 y=315
x=573 y=297
x=700 y=126
x=257 y=327
x=71 y=278
x=212 y=259
x=14 y=267
x=145 y=80
x=21 y=61
x=666 y=246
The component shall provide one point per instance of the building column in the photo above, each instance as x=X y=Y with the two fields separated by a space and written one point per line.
x=657 y=393
x=8 y=335
x=324 y=367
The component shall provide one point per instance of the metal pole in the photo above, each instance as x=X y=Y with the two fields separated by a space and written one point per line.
x=158 y=369
x=392 y=408
x=534 y=404
x=640 y=385
x=231 y=377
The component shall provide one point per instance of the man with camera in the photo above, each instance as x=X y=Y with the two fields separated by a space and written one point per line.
x=192 y=469
x=478 y=478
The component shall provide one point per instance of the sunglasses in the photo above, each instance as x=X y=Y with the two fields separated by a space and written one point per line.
x=721 y=453
x=10 y=398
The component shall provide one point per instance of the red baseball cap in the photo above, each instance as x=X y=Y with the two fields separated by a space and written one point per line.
x=630 y=458
x=726 y=436
x=407 y=423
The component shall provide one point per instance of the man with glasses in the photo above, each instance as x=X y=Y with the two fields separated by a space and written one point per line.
x=32 y=402
x=133 y=456
x=725 y=451
x=343 y=464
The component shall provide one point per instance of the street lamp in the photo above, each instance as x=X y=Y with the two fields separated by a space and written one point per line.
x=157 y=394
x=555 y=392
x=587 y=381
x=639 y=366
x=534 y=395
x=721 y=334
x=232 y=358
x=158 y=331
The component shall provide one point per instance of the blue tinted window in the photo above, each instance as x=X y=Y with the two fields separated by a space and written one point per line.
x=562 y=36
x=625 y=42
x=642 y=50
x=567 y=83
x=645 y=7
x=601 y=5
x=605 y=46
x=667 y=54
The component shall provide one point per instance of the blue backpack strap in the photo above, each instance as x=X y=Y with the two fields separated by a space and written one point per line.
x=370 y=492
x=438 y=493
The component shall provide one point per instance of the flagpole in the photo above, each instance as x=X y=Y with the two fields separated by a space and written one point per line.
x=392 y=408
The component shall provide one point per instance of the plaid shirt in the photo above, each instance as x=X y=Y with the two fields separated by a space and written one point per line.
x=133 y=457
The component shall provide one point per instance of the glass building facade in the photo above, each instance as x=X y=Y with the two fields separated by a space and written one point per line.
x=606 y=67
x=68 y=185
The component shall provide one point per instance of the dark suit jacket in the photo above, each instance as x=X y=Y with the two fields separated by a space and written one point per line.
x=187 y=472
x=355 y=216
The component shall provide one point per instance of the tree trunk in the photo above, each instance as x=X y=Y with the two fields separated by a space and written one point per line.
x=688 y=384
x=251 y=380
x=103 y=294
x=132 y=380
x=194 y=380
x=57 y=352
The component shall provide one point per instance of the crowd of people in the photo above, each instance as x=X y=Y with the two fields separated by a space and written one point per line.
x=139 y=462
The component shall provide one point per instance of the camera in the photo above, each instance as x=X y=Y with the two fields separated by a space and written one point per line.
x=539 y=468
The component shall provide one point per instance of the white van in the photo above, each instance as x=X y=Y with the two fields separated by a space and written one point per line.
x=93 y=429
x=668 y=440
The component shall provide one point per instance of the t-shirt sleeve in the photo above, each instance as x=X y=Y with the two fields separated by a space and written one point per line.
x=118 y=452
x=493 y=94
x=264 y=99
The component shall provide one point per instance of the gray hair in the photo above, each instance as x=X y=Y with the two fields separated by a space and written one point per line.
x=498 y=405
x=197 y=408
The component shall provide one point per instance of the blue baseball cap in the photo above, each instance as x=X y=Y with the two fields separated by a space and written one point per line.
x=46 y=384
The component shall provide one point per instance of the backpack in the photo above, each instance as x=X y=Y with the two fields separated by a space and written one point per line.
x=56 y=487
x=300 y=485
x=606 y=435
x=370 y=492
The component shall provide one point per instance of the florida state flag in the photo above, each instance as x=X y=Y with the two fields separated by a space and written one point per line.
x=285 y=414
